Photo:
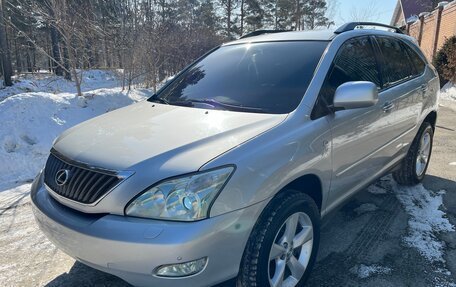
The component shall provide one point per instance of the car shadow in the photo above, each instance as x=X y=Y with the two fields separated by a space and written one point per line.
x=82 y=275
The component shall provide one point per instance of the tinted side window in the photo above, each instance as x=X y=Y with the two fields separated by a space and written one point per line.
x=397 y=66
x=355 y=61
x=416 y=60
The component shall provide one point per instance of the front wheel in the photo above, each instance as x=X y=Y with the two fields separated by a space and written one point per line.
x=283 y=245
x=415 y=164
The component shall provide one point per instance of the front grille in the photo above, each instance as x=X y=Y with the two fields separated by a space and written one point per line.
x=82 y=184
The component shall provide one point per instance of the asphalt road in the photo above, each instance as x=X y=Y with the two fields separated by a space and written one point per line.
x=351 y=237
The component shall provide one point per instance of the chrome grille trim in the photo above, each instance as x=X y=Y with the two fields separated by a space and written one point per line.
x=87 y=184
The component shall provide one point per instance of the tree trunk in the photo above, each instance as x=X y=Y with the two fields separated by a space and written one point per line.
x=5 y=52
x=18 y=57
x=55 y=51
x=242 y=16
x=228 y=16
x=28 y=61
x=77 y=79
x=66 y=64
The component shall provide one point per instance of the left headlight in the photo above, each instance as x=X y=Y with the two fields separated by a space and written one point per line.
x=185 y=198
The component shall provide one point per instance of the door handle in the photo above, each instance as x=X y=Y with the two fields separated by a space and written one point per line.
x=387 y=107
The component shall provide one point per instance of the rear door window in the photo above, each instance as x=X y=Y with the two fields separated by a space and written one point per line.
x=355 y=61
x=397 y=66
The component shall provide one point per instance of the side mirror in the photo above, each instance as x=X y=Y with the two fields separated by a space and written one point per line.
x=354 y=95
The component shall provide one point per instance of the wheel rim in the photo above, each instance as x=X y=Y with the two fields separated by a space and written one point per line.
x=424 y=150
x=290 y=251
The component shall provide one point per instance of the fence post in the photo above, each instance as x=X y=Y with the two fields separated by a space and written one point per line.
x=420 y=33
x=437 y=29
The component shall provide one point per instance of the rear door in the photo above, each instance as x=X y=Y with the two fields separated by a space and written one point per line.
x=401 y=95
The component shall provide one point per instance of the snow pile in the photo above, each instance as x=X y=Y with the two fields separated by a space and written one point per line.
x=32 y=120
x=366 y=207
x=49 y=83
x=448 y=92
x=448 y=96
x=365 y=271
x=426 y=219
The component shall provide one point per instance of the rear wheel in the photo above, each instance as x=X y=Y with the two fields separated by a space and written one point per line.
x=415 y=164
x=283 y=245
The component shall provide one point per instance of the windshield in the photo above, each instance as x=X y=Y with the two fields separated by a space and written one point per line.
x=267 y=77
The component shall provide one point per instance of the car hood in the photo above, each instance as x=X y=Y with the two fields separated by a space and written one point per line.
x=175 y=138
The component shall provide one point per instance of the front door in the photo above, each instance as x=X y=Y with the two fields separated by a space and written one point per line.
x=357 y=134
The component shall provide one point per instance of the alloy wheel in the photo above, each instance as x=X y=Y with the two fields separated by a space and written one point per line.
x=424 y=151
x=291 y=250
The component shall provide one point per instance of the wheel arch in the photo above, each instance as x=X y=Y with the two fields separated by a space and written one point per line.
x=309 y=184
x=431 y=118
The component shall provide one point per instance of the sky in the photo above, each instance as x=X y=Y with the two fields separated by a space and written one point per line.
x=367 y=10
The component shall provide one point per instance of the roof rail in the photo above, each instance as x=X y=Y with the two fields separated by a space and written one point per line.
x=352 y=25
x=261 y=32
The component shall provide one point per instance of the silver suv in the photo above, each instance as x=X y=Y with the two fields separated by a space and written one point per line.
x=228 y=170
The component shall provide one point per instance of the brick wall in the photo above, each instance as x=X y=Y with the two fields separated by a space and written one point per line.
x=432 y=30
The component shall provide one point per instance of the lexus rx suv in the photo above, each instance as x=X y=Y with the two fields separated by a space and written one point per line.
x=227 y=171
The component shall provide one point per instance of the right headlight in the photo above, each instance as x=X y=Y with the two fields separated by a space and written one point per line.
x=185 y=198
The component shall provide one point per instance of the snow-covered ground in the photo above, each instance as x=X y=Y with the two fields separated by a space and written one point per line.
x=34 y=112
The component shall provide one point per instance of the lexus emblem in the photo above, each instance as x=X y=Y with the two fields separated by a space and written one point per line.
x=62 y=176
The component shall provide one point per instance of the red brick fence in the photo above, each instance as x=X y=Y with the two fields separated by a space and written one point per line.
x=431 y=29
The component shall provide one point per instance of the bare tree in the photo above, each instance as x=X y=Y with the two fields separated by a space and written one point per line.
x=368 y=13
x=146 y=41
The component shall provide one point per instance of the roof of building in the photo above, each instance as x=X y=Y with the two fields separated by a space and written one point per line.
x=415 y=7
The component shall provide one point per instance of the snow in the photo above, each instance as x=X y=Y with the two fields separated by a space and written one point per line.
x=426 y=219
x=49 y=83
x=448 y=96
x=448 y=92
x=375 y=189
x=365 y=271
x=34 y=112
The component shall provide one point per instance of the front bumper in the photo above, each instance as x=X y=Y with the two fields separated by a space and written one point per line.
x=132 y=248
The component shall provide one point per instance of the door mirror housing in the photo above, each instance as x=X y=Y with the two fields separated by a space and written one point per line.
x=354 y=95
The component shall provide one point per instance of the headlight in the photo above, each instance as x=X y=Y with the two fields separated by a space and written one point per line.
x=185 y=198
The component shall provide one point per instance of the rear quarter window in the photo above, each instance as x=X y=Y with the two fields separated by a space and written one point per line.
x=418 y=63
x=397 y=66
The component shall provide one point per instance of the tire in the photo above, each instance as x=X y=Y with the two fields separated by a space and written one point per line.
x=271 y=227
x=408 y=173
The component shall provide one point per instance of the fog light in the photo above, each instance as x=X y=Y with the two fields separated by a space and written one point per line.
x=182 y=269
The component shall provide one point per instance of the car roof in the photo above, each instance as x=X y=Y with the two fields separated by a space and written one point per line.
x=314 y=35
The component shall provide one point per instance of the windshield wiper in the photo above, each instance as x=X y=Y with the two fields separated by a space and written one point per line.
x=159 y=100
x=226 y=106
